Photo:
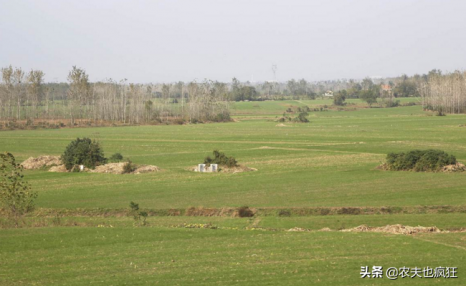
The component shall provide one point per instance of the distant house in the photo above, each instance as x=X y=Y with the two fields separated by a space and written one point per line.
x=328 y=93
x=386 y=87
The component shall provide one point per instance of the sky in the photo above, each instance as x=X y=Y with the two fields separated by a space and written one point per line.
x=174 y=40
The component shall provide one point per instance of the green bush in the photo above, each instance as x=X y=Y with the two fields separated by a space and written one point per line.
x=302 y=117
x=129 y=167
x=137 y=214
x=419 y=160
x=117 y=157
x=221 y=159
x=83 y=152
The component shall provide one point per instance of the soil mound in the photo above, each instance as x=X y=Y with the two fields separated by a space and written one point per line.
x=395 y=229
x=223 y=169
x=458 y=167
x=58 y=169
x=42 y=161
x=111 y=168
x=299 y=229
x=117 y=168
x=146 y=169
x=281 y=125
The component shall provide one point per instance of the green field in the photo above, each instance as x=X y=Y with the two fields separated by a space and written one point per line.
x=329 y=162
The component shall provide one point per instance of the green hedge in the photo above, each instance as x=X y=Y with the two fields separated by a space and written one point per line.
x=419 y=160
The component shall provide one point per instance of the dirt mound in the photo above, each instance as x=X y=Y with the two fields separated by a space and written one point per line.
x=40 y=162
x=281 y=125
x=297 y=229
x=223 y=169
x=117 y=168
x=146 y=169
x=325 y=229
x=383 y=167
x=237 y=169
x=111 y=168
x=58 y=169
x=395 y=229
x=458 y=167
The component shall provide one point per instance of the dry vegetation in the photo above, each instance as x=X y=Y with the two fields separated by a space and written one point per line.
x=55 y=165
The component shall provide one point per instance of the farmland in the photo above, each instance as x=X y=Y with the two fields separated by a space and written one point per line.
x=327 y=163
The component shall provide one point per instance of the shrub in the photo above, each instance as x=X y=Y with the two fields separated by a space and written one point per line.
x=137 y=214
x=245 y=211
x=117 y=157
x=285 y=213
x=83 y=152
x=221 y=159
x=128 y=167
x=419 y=160
x=339 y=98
x=302 y=117
x=16 y=196
x=222 y=117
x=391 y=103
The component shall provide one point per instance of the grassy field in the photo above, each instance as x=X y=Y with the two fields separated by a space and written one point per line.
x=329 y=162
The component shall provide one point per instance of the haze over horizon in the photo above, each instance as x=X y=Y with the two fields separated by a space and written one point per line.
x=166 y=41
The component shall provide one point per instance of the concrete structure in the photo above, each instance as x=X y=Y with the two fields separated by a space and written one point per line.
x=328 y=93
x=207 y=169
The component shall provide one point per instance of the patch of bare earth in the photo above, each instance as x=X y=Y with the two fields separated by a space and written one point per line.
x=111 y=168
x=223 y=169
x=118 y=168
x=458 y=167
x=394 y=229
x=39 y=162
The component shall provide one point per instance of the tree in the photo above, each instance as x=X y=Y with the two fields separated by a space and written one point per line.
x=339 y=98
x=35 y=89
x=83 y=152
x=370 y=96
x=79 y=91
x=15 y=193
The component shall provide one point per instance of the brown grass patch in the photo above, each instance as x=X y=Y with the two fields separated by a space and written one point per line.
x=42 y=161
x=395 y=229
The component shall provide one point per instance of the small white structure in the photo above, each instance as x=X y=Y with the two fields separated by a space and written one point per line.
x=207 y=169
x=328 y=93
x=81 y=168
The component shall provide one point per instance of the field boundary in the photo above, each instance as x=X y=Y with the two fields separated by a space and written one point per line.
x=234 y=211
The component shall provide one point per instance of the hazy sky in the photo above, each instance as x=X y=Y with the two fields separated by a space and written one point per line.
x=156 y=41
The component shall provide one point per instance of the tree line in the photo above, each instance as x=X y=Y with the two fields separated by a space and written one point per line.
x=26 y=96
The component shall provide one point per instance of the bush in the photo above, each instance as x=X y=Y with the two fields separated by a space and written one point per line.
x=129 y=167
x=245 y=211
x=115 y=158
x=221 y=159
x=137 y=214
x=83 y=152
x=222 y=117
x=339 y=98
x=16 y=196
x=302 y=117
x=419 y=160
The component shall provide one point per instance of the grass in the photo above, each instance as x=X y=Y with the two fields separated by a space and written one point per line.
x=152 y=256
x=329 y=162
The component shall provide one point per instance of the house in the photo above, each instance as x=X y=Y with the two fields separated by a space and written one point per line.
x=386 y=87
x=328 y=93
